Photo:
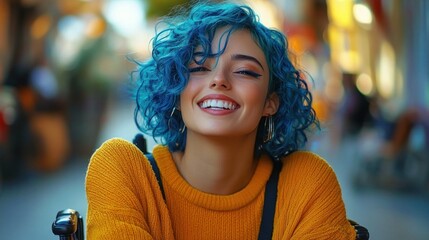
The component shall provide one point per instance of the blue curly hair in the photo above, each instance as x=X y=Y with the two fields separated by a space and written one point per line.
x=162 y=78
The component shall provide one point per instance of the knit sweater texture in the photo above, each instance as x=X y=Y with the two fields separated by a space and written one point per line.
x=125 y=201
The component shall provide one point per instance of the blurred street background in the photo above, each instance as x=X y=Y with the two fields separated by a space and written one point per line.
x=64 y=89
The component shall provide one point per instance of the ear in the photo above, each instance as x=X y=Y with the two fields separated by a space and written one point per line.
x=271 y=105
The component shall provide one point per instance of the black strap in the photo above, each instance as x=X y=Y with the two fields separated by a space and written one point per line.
x=140 y=142
x=270 y=199
x=156 y=171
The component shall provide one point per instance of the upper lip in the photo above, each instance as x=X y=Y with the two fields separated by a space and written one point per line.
x=225 y=101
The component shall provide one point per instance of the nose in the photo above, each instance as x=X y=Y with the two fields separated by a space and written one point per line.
x=220 y=80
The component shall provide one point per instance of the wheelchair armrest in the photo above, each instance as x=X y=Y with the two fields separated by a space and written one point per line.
x=68 y=225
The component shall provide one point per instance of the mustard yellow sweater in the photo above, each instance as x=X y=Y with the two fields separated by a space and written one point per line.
x=124 y=200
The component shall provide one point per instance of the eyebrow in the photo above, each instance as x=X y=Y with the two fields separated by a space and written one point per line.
x=246 y=57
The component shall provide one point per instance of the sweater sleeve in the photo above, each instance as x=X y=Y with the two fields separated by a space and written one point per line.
x=312 y=200
x=121 y=200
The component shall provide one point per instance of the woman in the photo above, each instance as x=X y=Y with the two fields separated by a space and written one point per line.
x=229 y=106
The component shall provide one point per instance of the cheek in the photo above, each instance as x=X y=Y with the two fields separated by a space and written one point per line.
x=188 y=93
x=256 y=95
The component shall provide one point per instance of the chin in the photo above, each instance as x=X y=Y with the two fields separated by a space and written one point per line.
x=224 y=132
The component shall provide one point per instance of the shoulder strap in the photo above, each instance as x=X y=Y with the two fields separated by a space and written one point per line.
x=140 y=142
x=270 y=199
x=156 y=171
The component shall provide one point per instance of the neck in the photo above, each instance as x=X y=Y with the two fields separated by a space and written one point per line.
x=217 y=165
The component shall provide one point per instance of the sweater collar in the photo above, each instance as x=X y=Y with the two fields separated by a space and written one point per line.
x=173 y=180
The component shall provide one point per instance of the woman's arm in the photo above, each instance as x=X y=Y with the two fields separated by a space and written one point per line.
x=312 y=206
x=121 y=200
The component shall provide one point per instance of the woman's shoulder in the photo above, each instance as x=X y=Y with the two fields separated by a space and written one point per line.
x=114 y=143
x=304 y=175
x=119 y=176
x=120 y=145
x=117 y=146
x=121 y=153
x=303 y=158
x=306 y=163
x=119 y=159
x=115 y=153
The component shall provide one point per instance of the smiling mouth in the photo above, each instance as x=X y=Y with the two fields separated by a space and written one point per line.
x=217 y=104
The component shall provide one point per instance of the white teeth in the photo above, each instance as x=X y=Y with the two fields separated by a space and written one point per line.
x=215 y=103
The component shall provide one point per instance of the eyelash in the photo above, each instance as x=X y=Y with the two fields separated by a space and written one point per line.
x=250 y=73
x=198 y=69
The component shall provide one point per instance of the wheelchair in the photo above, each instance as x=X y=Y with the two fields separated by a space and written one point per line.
x=68 y=224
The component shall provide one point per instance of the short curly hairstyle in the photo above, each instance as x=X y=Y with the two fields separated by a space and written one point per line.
x=163 y=77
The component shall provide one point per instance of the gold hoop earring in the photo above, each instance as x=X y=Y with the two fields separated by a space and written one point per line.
x=182 y=128
x=269 y=125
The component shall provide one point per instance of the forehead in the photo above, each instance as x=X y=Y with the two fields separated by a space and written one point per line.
x=234 y=37
x=238 y=41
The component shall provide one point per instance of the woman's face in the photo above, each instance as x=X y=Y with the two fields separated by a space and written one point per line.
x=228 y=96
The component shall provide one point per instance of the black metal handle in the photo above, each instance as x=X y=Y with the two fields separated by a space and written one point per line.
x=68 y=225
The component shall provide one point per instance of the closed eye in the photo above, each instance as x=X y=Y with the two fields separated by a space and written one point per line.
x=249 y=73
x=198 y=69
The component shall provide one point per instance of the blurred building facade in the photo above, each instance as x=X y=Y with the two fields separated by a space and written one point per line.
x=63 y=62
